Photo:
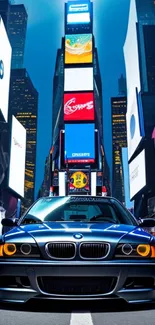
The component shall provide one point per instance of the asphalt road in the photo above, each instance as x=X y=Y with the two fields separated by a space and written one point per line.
x=71 y=313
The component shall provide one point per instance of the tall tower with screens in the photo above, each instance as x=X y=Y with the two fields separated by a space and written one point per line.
x=79 y=110
x=79 y=164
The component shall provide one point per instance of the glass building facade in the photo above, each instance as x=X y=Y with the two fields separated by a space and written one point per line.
x=122 y=91
x=149 y=45
x=24 y=106
x=58 y=86
x=146 y=21
x=119 y=141
x=17 y=25
x=4 y=11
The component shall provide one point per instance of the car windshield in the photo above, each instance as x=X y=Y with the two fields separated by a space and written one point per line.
x=71 y=209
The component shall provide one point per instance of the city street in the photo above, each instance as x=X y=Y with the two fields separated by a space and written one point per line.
x=71 y=313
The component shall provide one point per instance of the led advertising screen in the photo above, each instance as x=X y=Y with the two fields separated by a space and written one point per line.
x=79 y=182
x=137 y=174
x=79 y=107
x=78 y=12
x=77 y=79
x=17 y=157
x=79 y=143
x=78 y=48
x=5 y=66
x=133 y=81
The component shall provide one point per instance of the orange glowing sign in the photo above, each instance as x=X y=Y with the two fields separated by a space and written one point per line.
x=78 y=48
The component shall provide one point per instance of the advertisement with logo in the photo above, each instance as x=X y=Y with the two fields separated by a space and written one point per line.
x=131 y=56
x=79 y=182
x=79 y=143
x=137 y=174
x=79 y=107
x=78 y=48
x=78 y=12
x=77 y=79
x=5 y=66
x=17 y=157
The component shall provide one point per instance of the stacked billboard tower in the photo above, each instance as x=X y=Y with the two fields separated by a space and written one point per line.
x=79 y=114
x=81 y=153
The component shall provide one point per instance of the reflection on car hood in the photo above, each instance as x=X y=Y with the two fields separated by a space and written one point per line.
x=90 y=231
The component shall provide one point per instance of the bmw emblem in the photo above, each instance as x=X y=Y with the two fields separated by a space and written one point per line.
x=1 y=69
x=78 y=236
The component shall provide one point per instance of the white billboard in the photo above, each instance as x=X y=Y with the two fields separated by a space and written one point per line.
x=137 y=174
x=17 y=157
x=133 y=80
x=78 y=18
x=79 y=79
x=5 y=66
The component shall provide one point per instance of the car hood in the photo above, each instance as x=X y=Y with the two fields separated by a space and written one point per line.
x=68 y=231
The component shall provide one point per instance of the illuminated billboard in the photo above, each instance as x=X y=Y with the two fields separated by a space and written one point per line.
x=79 y=107
x=77 y=79
x=79 y=143
x=78 y=48
x=78 y=12
x=79 y=182
x=17 y=157
x=137 y=174
x=133 y=82
x=5 y=66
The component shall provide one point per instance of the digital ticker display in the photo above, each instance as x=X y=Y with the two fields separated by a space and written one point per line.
x=79 y=107
x=78 y=12
x=79 y=143
x=78 y=48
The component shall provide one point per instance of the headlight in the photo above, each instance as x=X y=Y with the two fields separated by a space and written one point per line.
x=135 y=251
x=19 y=250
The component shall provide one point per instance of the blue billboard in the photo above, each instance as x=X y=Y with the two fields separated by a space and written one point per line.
x=79 y=143
x=78 y=12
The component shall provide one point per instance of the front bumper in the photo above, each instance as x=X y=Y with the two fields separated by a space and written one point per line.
x=121 y=271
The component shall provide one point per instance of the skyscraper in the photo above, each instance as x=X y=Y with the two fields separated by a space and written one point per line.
x=4 y=11
x=98 y=93
x=139 y=53
x=45 y=187
x=119 y=141
x=58 y=85
x=146 y=35
x=122 y=86
x=77 y=108
x=145 y=10
x=24 y=106
x=17 y=24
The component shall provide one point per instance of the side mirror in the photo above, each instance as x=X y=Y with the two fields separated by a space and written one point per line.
x=8 y=222
x=147 y=223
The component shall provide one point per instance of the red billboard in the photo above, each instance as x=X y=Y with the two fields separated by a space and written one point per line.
x=79 y=107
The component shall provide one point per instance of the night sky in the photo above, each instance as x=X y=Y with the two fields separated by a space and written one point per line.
x=44 y=32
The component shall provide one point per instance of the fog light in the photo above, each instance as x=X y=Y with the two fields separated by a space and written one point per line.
x=9 y=249
x=127 y=249
x=25 y=249
x=143 y=250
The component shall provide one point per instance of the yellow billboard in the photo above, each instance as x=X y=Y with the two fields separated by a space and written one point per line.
x=79 y=180
x=78 y=48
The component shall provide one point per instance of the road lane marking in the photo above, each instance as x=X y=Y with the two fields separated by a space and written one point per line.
x=81 y=319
